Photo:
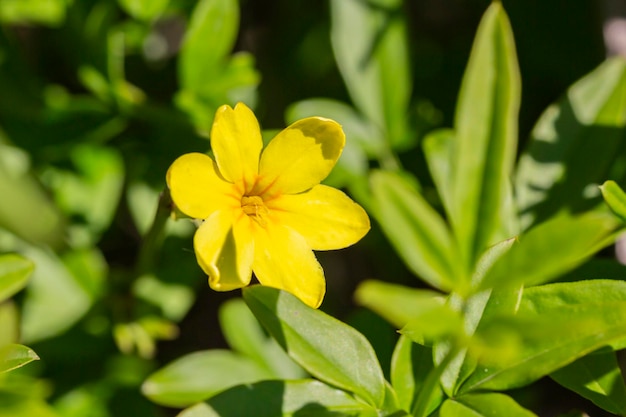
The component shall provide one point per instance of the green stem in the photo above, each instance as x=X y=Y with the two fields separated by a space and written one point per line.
x=431 y=384
x=152 y=240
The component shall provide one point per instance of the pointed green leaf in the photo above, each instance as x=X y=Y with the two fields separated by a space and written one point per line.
x=483 y=405
x=598 y=378
x=329 y=349
x=489 y=258
x=144 y=9
x=14 y=274
x=25 y=207
x=44 y=315
x=434 y=321
x=462 y=365
x=200 y=375
x=282 y=398
x=573 y=145
x=410 y=365
x=15 y=356
x=555 y=325
x=438 y=146
x=395 y=303
x=209 y=39
x=551 y=249
x=550 y=298
x=417 y=231
x=369 y=42
x=486 y=139
x=615 y=198
x=244 y=334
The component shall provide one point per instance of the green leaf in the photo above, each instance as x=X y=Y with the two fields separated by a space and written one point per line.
x=144 y=9
x=244 y=334
x=410 y=365
x=598 y=378
x=483 y=405
x=434 y=321
x=25 y=209
x=554 y=325
x=551 y=298
x=14 y=274
x=233 y=81
x=15 y=356
x=551 y=249
x=327 y=348
x=485 y=143
x=369 y=42
x=615 y=198
x=44 y=313
x=200 y=375
x=438 y=145
x=209 y=39
x=573 y=145
x=92 y=192
x=417 y=231
x=395 y=303
x=489 y=258
x=462 y=365
x=47 y=12
x=306 y=398
x=9 y=323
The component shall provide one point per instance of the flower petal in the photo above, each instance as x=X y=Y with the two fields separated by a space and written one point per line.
x=236 y=143
x=223 y=252
x=300 y=156
x=283 y=260
x=325 y=217
x=196 y=187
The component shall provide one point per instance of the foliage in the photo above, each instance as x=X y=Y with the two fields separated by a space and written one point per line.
x=509 y=237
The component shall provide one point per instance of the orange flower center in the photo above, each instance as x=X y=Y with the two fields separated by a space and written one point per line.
x=253 y=206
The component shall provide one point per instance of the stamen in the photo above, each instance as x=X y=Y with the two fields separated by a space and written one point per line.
x=253 y=206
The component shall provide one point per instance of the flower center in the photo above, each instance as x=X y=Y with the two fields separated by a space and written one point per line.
x=253 y=206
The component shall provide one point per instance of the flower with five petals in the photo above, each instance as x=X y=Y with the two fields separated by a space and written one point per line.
x=264 y=210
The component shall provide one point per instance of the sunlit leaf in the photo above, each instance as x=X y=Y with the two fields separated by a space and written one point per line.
x=483 y=405
x=551 y=249
x=615 y=198
x=200 y=375
x=282 y=398
x=555 y=325
x=417 y=231
x=573 y=145
x=597 y=377
x=15 y=356
x=25 y=209
x=485 y=139
x=369 y=41
x=438 y=146
x=46 y=310
x=244 y=334
x=327 y=348
x=144 y=9
x=410 y=365
x=395 y=303
x=434 y=321
x=209 y=38
x=47 y=12
x=15 y=271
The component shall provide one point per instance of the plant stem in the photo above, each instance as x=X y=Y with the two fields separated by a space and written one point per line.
x=153 y=238
x=431 y=384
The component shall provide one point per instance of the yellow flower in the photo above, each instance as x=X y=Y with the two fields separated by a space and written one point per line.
x=266 y=212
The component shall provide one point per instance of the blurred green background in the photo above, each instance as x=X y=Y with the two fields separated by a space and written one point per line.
x=97 y=98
